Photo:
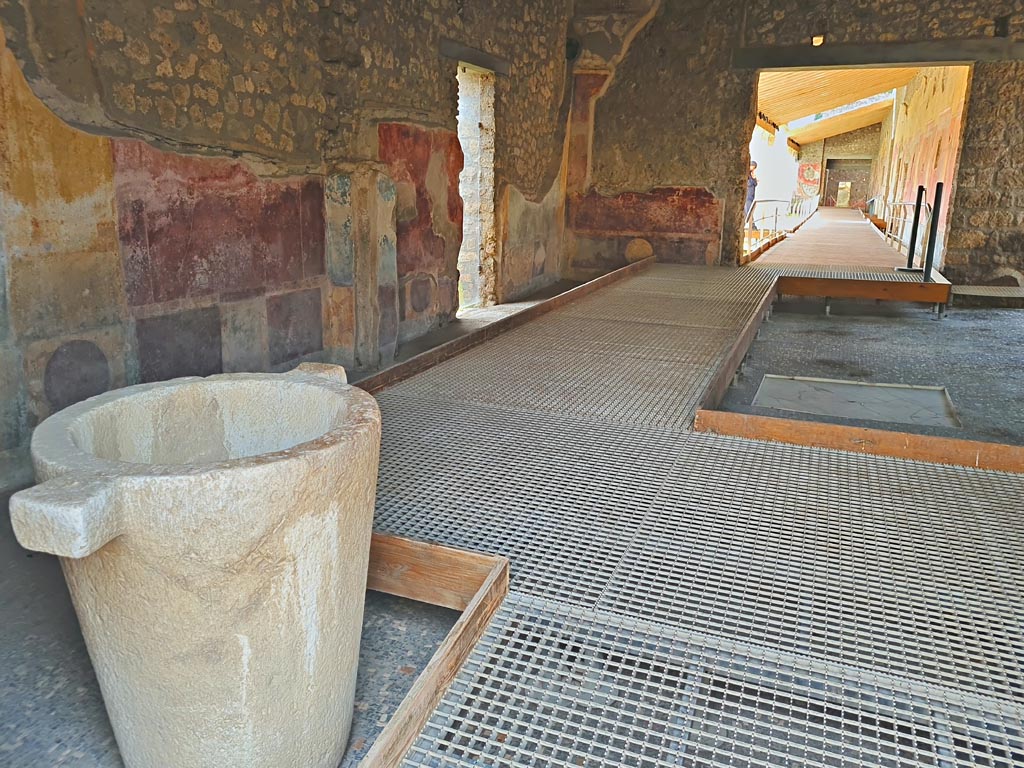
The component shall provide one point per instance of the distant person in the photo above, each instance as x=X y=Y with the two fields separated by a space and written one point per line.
x=751 y=189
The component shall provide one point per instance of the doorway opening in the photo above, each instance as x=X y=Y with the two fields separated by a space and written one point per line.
x=855 y=144
x=476 y=186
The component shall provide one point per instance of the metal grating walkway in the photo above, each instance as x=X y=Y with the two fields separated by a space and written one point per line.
x=688 y=599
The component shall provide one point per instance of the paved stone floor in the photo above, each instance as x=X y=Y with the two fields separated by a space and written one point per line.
x=971 y=352
x=680 y=598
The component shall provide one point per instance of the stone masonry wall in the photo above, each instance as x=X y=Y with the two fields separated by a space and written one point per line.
x=679 y=115
x=793 y=22
x=296 y=82
x=861 y=144
x=985 y=242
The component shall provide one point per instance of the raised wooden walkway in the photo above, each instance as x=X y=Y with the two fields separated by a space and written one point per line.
x=838 y=253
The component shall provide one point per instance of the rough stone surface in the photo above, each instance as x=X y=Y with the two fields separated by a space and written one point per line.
x=678 y=115
x=791 y=22
x=985 y=242
x=857 y=173
x=861 y=144
x=270 y=571
x=294 y=83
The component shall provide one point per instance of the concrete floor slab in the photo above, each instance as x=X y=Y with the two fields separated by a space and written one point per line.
x=970 y=353
x=899 y=403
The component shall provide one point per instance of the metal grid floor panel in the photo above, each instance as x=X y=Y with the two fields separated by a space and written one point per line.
x=644 y=341
x=689 y=599
x=460 y=476
x=534 y=376
x=841 y=556
x=884 y=274
x=704 y=312
x=558 y=685
x=862 y=560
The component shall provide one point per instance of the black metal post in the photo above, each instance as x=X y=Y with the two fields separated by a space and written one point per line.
x=933 y=232
x=913 y=229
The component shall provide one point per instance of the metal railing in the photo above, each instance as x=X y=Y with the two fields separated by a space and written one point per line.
x=769 y=219
x=923 y=220
x=900 y=231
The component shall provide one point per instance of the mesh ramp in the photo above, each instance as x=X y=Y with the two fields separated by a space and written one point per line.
x=689 y=599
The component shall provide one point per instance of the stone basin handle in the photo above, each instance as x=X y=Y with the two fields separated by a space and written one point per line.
x=68 y=516
x=326 y=370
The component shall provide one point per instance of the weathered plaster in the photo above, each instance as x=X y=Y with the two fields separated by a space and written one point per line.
x=194 y=226
x=532 y=241
x=425 y=167
x=677 y=115
x=361 y=261
x=678 y=225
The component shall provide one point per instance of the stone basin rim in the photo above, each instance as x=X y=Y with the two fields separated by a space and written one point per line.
x=54 y=446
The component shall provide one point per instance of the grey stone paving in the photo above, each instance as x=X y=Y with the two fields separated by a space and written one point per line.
x=974 y=353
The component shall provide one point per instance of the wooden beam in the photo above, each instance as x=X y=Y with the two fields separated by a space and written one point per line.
x=430 y=572
x=878 y=442
x=950 y=51
x=766 y=125
x=716 y=390
x=793 y=145
x=885 y=290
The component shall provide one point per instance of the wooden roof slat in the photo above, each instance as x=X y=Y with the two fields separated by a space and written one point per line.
x=848 y=121
x=786 y=96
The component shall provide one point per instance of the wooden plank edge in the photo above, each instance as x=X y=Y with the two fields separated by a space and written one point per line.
x=430 y=573
x=716 y=390
x=877 y=442
x=442 y=352
x=412 y=714
x=884 y=290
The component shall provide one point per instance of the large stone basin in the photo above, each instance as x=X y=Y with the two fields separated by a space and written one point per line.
x=214 y=534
